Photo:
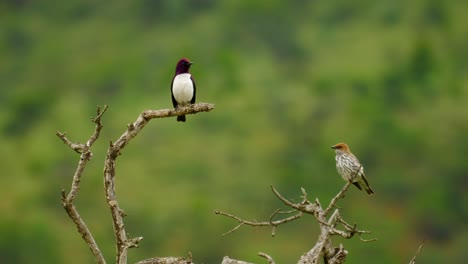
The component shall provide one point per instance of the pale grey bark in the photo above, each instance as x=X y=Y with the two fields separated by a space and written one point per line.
x=323 y=247
x=68 y=200
x=123 y=242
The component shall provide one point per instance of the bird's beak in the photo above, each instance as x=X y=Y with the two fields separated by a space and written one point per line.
x=190 y=63
x=333 y=147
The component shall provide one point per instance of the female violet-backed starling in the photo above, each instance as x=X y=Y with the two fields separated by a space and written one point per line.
x=348 y=165
x=183 y=89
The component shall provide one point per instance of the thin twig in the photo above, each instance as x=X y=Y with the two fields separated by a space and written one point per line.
x=273 y=215
x=232 y=230
x=97 y=121
x=304 y=196
x=284 y=200
x=351 y=230
x=287 y=212
x=255 y=223
x=341 y=193
x=77 y=147
x=305 y=206
x=267 y=257
x=228 y=260
x=273 y=229
x=413 y=260
x=68 y=200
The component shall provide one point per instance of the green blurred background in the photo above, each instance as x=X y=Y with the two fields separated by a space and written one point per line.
x=288 y=78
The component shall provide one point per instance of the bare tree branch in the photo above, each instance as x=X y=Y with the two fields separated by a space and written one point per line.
x=77 y=147
x=67 y=200
x=255 y=223
x=114 y=150
x=167 y=260
x=305 y=206
x=328 y=226
x=268 y=258
x=227 y=260
x=323 y=247
x=339 y=255
x=134 y=128
x=122 y=241
x=413 y=260
x=341 y=193
x=336 y=198
x=352 y=230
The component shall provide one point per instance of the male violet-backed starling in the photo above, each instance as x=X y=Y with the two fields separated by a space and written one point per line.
x=183 y=89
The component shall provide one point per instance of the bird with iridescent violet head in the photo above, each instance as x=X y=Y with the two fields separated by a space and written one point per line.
x=183 y=89
x=349 y=168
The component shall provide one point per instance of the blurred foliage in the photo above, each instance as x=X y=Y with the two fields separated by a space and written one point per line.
x=289 y=79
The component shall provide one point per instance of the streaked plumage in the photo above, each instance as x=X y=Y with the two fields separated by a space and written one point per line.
x=348 y=165
x=183 y=89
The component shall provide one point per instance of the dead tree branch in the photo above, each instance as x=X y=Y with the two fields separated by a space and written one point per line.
x=274 y=224
x=168 y=260
x=114 y=150
x=122 y=241
x=267 y=257
x=413 y=260
x=67 y=200
x=341 y=193
x=227 y=260
x=328 y=225
x=323 y=248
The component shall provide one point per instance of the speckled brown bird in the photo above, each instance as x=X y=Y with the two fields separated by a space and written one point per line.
x=348 y=165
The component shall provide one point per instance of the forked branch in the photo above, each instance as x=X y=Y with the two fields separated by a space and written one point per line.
x=122 y=241
x=67 y=200
x=328 y=226
x=115 y=149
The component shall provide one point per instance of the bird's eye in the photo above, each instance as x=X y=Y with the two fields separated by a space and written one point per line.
x=338 y=147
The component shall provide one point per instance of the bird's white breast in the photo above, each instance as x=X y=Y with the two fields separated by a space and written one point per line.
x=182 y=88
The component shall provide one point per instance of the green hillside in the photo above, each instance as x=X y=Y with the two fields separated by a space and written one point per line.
x=288 y=79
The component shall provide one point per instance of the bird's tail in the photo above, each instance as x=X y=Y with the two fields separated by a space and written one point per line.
x=181 y=118
x=366 y=186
